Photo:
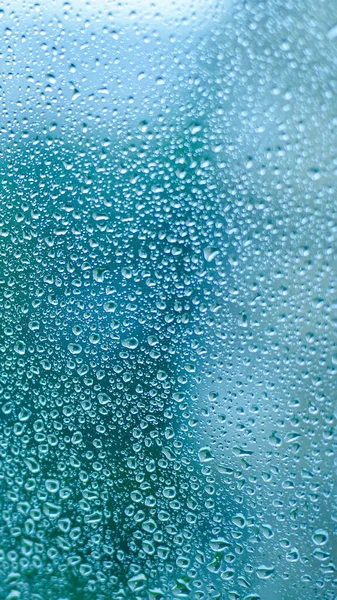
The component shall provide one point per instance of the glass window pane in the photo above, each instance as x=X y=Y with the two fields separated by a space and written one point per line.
x=168 y=300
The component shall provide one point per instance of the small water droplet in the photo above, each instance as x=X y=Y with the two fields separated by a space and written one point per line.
x=264 y=572
x=130 y=343
x=320 y=537
x=20 y=348
x=205 y=454
x=210 y=253
x=75 y=348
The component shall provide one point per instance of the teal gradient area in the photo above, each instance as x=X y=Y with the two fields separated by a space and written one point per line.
x=167 y=301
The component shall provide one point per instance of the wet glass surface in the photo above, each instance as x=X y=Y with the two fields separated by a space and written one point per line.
x=168 y=300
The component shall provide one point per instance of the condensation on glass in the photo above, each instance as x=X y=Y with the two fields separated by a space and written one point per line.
x=168 y=300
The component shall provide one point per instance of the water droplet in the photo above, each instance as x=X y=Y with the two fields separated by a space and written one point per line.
x=219 y=544
x=20 y=348
x=130 y=343
x=51 y=510
x=75 y=348
x=205 y=454
x=320 y=537
x=264 y=572
x=210 y=253
x=52 y=485
x=332 y=33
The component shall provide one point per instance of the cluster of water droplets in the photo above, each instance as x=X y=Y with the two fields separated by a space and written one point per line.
x=167 y=301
